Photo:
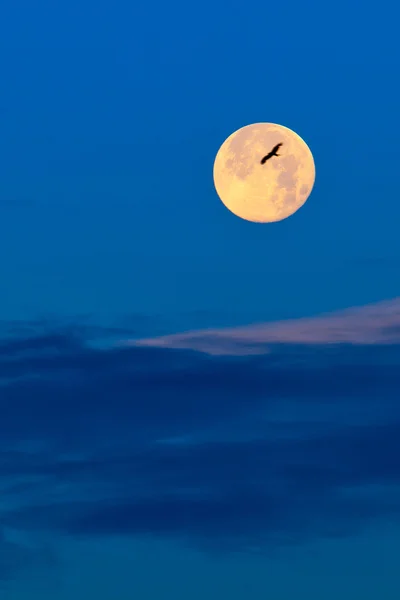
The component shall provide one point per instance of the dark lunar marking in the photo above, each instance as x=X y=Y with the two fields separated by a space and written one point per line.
x=288 y=177
x=304 y=189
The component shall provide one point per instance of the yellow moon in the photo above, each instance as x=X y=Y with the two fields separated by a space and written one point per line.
x=269 y=192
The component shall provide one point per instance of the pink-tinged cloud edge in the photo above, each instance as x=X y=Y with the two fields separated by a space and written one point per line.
x=377 y=323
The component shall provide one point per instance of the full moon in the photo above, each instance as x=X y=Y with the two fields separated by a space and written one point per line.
x=264 y=193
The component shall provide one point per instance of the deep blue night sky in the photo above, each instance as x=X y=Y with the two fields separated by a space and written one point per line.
x=258 y=464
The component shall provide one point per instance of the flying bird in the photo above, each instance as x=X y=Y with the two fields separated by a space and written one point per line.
x=274 y=152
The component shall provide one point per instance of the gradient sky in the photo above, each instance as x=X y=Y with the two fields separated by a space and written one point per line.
x=250 y=463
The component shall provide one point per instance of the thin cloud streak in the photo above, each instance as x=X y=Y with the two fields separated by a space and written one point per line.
x=377 y=323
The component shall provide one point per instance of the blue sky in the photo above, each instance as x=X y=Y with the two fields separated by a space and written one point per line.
x=244 y=460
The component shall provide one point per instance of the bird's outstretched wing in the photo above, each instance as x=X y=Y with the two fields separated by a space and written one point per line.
x=264 y=160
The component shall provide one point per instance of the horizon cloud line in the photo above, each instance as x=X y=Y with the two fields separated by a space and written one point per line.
x=376 y=323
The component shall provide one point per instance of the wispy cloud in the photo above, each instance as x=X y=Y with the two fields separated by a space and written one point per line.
x=372 y=324
x=220 y=452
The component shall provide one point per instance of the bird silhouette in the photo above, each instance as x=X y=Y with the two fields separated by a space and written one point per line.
x=274 y=152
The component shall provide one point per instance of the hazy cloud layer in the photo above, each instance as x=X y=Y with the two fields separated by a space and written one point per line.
x=223 y=453
x=372 y=324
